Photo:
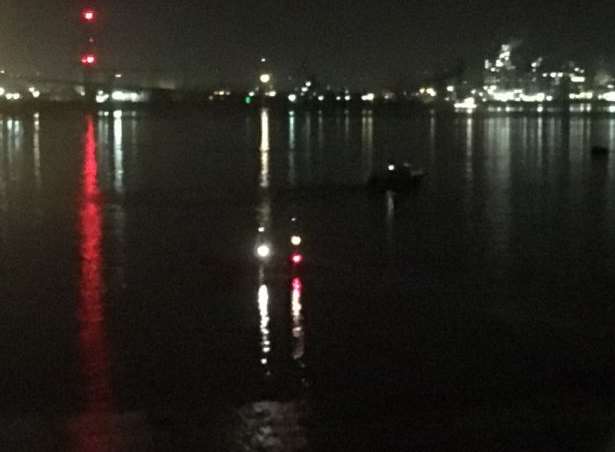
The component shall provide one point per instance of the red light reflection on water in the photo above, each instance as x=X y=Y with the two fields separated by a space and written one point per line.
x=92 y=430
x=297 y=319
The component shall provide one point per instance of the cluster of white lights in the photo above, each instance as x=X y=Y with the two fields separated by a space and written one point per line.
x=222 y=93
x=608 y=96
x=34 y=92
x=120 y=96
x=587 y=95
x=127 y=96
x=516 y=95
x=369 y=97
x=468 y=104
x=12 y=96
x=428 y=92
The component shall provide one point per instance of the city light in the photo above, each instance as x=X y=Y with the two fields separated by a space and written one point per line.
x=292 y=98
x=102 y=97
x=88 y=15
x=128 y=96
x=263 y=251
x=468 y=104
x=369 y=97
x=89 y=59
x=2 y=91
x=296 y=258
x=608 y=96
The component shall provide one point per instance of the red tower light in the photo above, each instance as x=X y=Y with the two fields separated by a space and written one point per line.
x=88 y=15
x=89 y=59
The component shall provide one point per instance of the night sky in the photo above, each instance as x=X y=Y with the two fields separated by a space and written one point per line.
x=358 y=43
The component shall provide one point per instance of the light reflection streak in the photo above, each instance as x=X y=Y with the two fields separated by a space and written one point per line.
x=94 y=357
x=118 y=153
x=264 y=224
x=499 y=145
x=265 y=319
x=469 y=148
x=264 y=149
x=308 y=145
x=611 y=173
x=36 y=150
x=390 y=220
x=292 y=140
x=432 y=144
x=297 y=320
x=3 y=183
x=367 y=141
x=14 y=149
x=539 y=143
x=321 y=132
x=104 y=162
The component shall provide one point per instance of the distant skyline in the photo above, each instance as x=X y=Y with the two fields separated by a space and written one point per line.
x=359 y=43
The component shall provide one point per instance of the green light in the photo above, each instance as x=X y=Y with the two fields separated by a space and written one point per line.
x=248 y=100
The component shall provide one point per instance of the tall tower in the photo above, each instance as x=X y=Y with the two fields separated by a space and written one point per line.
x=89 y=53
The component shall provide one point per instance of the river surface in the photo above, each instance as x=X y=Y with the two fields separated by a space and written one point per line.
x=475 y=313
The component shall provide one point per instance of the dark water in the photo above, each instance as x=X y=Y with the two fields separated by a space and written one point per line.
x=474 y=314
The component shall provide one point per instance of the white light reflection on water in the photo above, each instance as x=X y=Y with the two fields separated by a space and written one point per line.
x=117 y=213
x=432 y=145
x=102 y=141
x=539 y=142
x=297 y=320
x=36 y=149
x=469 y=151
x=390 y=221
x=321 y=132
x=263 y=218
x=263 y=311
x=367 y=145
x=292 y=140
x=497 y=144
x=264 y=149
x=118 y=153
x=308 y=146
x=3 y=184
x=469 y=162
x=14 y=150
x=611 y=171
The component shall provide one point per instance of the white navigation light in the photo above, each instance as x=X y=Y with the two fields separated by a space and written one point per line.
x=265 y=78
x=296 y=240
x=391 y=167
x=292 y=98
x=263 y=251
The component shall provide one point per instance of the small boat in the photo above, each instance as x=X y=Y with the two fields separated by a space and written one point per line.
x=599 y=151
x=398 y=179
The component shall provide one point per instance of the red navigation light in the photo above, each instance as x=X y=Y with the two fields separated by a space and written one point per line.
x=297 y=284
x=296 y=258
x=88 y=15
x=89 y=59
